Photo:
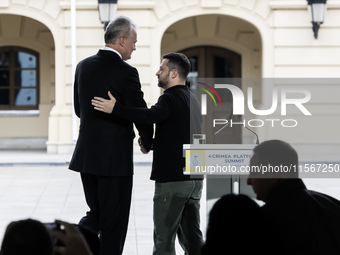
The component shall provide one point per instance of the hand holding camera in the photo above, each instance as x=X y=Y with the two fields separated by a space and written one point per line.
x=68 y=239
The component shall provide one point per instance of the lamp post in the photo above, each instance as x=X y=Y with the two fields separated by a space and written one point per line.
x=107 y=10
x=317 y=11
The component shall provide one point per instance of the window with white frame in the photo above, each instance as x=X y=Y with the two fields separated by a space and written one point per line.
x=19 y=78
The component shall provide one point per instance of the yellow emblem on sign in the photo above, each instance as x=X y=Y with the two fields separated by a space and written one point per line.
x=195 y=160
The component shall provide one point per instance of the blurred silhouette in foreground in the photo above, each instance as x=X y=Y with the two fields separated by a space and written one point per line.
x=237 y=226
x=31 y=237
x=305 y=221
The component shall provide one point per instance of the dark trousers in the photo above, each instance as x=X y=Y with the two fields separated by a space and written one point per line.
x=109 y=200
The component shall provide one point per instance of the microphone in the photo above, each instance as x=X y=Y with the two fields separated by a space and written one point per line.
x=257 y=138
x=229 y=118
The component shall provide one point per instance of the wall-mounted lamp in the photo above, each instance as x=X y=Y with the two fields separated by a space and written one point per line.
x=107 y=10
x=317 y=11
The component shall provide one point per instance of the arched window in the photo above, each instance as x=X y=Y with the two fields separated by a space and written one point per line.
x=19 y=78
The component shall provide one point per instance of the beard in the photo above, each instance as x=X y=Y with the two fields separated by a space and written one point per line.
x=163 y=82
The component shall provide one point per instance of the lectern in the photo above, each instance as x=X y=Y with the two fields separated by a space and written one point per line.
x=225 y=167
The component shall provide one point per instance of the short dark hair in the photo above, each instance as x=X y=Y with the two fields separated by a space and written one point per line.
x=180 y=62
x=276 y=153
x=119 y=26
x=27 y=237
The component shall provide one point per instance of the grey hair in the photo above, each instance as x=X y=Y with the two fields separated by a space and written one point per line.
x=119 y=26
x=277 y=153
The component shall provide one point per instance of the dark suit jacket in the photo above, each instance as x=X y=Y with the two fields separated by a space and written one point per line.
x=105 y=142
x=307 y=222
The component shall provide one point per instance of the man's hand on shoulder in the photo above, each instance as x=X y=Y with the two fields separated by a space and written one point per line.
x=104 y=105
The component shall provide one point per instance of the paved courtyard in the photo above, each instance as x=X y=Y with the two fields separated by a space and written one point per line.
x=40 y=186
x=36 y=185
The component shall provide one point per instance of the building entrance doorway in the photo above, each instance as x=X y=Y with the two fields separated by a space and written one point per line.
x=214 y=62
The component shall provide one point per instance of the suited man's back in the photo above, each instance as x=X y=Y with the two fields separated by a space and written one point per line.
x=104 y=146
x=104 y=151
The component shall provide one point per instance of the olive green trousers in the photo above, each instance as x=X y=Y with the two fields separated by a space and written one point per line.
x=176 y=212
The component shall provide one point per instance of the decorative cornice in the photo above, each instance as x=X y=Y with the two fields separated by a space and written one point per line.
x=66 y=5
x=122 y=5
x=4 y=4
x=136 y=5
x=299 y=4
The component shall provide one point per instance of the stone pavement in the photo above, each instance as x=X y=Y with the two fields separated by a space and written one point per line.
x=36 y=185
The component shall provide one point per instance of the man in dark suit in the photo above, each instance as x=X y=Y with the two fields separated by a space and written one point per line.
x=104 y=151
x=305 y=221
